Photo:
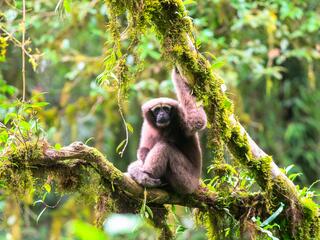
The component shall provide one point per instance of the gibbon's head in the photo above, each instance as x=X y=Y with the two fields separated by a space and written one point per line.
x=159 y=112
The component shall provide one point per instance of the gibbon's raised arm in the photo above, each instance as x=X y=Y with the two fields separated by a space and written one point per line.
x=194 y=117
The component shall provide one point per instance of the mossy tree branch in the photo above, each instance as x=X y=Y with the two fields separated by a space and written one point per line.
x=78 y=154
x=77 y=159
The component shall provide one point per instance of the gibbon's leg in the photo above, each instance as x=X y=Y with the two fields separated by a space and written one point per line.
x=142 y=153
x=150 y=171
x=167 y=161
x=156 y=161
x=182 y=176
x=135 y=171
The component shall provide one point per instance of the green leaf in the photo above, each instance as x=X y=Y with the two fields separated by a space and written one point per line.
x=180 y=229
x=217 y=64
x=227 y=232
x=4 y=136
x=273 y=216
x=227 y=103
x=25 y=125
x=47 y=187
x=143 y=209
x=40 y=104
x=88 y=140
x=86 y=231
x=287 y=169
x=130 y=128
x=120 y=145
x=149 y=211
x=57 y=146
x=188 y=2
x=67 y=5
x=10 y=116
x=10 y=90
x=155 y=55
x=293 y=176
x=270 y=226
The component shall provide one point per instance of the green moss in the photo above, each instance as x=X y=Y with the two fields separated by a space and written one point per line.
x=310 y=208
x=218 y=224
x=202 y=218
x=224 y=169
x=160 y=221
x=310 y=226
x=302 y=214
x=15 y=174
x=104 y=206
x=24 y=154
x=114 y=174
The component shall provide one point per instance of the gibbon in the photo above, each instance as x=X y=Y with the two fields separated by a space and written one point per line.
x=169 y=150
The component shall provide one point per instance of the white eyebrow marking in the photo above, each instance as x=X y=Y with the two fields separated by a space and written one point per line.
x=161 y=105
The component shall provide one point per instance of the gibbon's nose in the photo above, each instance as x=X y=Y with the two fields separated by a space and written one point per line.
x=162 y=118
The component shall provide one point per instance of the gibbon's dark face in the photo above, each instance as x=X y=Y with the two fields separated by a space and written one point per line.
x=162 y=115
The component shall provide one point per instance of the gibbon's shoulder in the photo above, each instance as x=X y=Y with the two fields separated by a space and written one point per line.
x=159 y=101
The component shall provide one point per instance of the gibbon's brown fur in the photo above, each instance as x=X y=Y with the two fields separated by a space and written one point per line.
x=169 y=150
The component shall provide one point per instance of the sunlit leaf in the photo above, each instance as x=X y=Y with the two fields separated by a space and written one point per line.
x=149 y=211
x=85 y=231
x=227 y=103
x=273 y=216
x=188 y=2
x=67 y=5
x=40 y=104
x=121 y=144
x=3 y=136
x=287 y=169
x=25 y=125
x=181 y=229
x=47 y=187
x=57 y=146
x=129 y=126
x=10 y=116
x=293 y=176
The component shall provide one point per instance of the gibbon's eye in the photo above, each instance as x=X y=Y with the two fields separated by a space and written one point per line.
x=155 y=111
x=167 y=109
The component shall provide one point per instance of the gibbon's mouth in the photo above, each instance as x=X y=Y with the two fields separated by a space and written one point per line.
x=164 y=124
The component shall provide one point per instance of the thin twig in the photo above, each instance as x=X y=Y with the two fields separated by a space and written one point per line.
x=124 y=122
x=15 y=40
x=23 y=26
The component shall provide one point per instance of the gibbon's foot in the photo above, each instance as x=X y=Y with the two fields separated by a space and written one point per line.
x=135 y=171
x=148 y=181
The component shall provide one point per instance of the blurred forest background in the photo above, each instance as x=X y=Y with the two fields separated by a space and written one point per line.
x=268 y=53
